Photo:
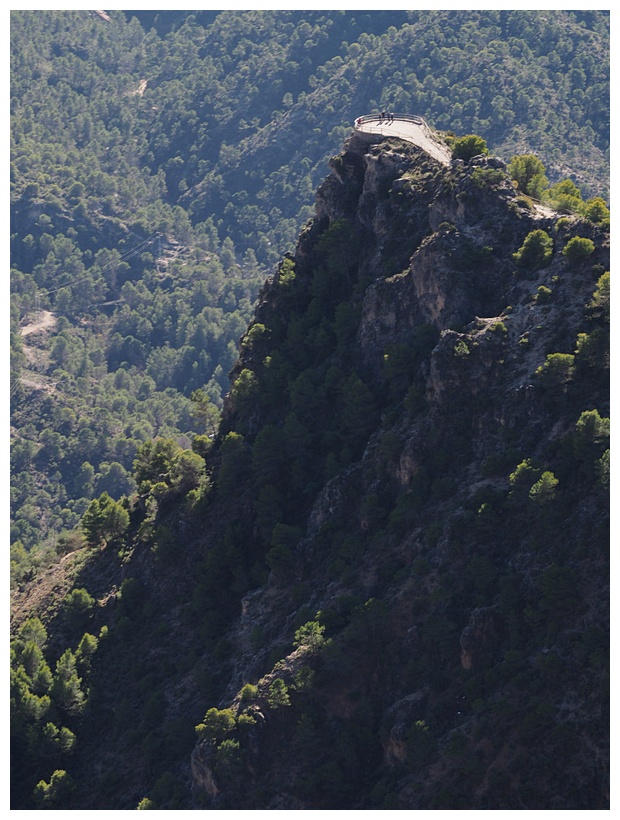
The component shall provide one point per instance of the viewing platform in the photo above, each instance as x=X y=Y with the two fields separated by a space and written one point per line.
x=405 y=127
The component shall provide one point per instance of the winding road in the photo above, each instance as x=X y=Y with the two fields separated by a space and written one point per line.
x=406 y=127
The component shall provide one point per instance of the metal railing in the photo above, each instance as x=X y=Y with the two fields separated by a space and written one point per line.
x=369 y=119
x=407 y=117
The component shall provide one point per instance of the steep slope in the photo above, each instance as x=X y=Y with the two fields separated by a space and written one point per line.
x=392 y=590
x=455 y=558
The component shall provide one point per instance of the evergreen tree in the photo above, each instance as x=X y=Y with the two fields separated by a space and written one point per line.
x=529 y=174
x=104 y=521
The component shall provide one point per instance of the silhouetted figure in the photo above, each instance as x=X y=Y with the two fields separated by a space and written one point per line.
x=382 y=117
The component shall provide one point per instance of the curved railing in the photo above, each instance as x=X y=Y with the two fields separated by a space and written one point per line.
x=367 y=119
x=406 y=117
x=390 y=121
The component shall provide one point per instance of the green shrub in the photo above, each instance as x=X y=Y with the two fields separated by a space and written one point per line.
x=49 y=794
x=590 y=440
x=461 y=349
x=529 y=174
x=599 y=306
x=105 y=521
x=595 y=210
x=487 y=177
x=592 y=349
x=132 y=598
x=522 y=478
x=86 y=649
x=564 y=196
x=69 y=541
x=536 y=250
x=603 y=469
x=557 y=371
x=244 y=390
x=257 y=334
x=166 y=543
x=280 y=559
x=249 y=692
x=217 y=724
x=66 y=689
x=234 y=463
x=146 y=803
x=228 y=759
x=420 y=745
x=304 y=679
x=521 y=202
x=577 y=249
x=469 y=146
x=543 y=295
x=544 y=489
x=186 y=471
x=310 y=635
x=79 y=602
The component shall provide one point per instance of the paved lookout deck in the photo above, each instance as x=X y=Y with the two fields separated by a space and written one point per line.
x=405 y=127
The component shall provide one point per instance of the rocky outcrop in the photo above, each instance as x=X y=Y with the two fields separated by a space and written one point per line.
x=480 y=636
x=425 y=569
x=202 y=772
x=400 y=718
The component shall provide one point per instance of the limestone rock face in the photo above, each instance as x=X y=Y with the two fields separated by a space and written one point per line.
x=409 y=543
x=202 y=774
x=400 y=717
x=479 y=636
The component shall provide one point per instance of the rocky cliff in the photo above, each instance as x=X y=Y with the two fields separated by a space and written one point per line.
x=392 y=590
x=446 y=533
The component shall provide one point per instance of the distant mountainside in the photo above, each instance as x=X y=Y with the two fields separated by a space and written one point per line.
x=371 y=573
x=496 y=74
x=162 y=163
x=235 y=102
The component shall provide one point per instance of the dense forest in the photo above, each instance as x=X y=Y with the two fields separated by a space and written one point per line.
x=162 y=163
x=273 y=576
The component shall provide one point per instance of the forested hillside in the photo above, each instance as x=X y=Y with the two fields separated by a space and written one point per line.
x=162 y=163
x=373 y=573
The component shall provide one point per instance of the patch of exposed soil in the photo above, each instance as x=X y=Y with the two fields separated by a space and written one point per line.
x=44 y=320
x=39 y=595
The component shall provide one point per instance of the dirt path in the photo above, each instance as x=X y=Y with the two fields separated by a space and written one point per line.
x=545 y=210
x=45 y=321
